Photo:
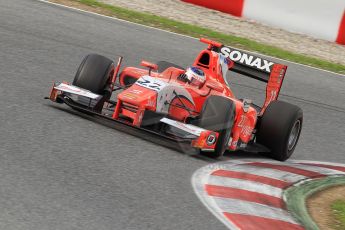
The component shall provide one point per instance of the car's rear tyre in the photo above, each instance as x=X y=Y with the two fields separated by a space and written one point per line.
x=163 y=65
x=218 y=115
x=94 y=73
x=280 y=128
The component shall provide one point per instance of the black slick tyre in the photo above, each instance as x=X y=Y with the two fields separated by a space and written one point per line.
x=280 y=128
x=94 y=73
x=218 y=115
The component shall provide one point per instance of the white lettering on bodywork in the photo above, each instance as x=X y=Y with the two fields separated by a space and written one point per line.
x=247 y=59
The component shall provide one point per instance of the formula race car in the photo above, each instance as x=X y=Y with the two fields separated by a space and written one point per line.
x=193 y=105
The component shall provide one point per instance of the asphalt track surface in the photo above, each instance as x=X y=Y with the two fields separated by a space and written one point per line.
x=59 y=170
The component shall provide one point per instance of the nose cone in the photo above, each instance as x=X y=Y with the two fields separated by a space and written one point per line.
x=139 y=96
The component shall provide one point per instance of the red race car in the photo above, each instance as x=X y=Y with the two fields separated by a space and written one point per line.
x=193 y=105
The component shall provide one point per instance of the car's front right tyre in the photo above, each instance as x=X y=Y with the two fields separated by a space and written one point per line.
x=218 y=114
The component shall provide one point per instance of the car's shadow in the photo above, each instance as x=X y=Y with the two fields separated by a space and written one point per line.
x=181 y=148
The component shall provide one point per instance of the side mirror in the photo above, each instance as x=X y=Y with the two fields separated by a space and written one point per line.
x=215 y=86
x=149 y=65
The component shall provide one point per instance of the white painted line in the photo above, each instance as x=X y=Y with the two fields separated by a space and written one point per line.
x=318 y=162
x=317 y=169
x=199 y=179
x=253 y=52
x=241 y=166
x=321 y=170
x=246 y=185
x=253 y=209
x=267 y=172
x=114 y=18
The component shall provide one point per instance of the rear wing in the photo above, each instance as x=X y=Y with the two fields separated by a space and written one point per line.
x=253 y=66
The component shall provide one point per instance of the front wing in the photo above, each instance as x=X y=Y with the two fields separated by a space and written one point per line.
x=84 y=101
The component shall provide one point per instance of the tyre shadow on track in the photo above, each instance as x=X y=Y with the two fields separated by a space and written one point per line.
x=182 y=148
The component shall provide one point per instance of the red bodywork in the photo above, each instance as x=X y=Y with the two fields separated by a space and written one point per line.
x=136 y=99
x=164 y=93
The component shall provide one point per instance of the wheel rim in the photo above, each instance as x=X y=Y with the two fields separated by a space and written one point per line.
x=294 y=135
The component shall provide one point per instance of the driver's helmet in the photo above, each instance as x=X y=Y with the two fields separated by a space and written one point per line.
x=195 y=76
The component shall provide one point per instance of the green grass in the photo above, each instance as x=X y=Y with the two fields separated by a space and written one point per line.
x=197 y=32
x=296 y=197
x=338 y=208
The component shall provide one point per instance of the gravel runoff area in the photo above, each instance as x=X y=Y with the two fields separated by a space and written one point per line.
x=188 y=13
x=319 y=206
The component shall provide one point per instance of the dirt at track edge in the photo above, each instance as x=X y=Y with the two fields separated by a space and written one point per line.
x=319 y=206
